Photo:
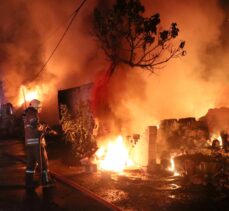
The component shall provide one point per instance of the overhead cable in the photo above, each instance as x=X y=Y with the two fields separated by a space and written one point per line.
x=61 y=38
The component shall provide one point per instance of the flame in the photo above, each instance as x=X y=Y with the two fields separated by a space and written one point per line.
x=218 y=137
x=114 y=156
x=172 y=167
x=27 y=94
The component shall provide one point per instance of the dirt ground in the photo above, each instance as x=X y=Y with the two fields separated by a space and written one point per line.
x=136 y=189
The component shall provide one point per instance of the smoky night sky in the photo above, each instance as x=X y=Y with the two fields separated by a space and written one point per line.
x=185 y=87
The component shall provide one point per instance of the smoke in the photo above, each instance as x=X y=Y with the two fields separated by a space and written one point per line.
x=20 y=46
x=197 y=82
x=29 y=33
x=78 y=59
x=185 y=87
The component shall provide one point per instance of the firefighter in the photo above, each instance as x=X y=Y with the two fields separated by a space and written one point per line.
x=35 y=146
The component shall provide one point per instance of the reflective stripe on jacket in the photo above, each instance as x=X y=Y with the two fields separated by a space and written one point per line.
x=32 y=141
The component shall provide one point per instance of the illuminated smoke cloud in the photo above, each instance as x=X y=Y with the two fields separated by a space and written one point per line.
x=20 y=46
x=185 y=87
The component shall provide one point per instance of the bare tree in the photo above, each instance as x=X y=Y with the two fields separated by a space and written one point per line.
x=126 y=36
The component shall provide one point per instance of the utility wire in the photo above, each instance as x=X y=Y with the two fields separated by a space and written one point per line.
x=71 y=17
x=61 y=38
x=54 y=32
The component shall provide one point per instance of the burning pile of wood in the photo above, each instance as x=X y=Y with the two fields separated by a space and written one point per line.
x=184 y=134
x=197 y=153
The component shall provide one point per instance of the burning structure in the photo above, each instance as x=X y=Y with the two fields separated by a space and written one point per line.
x=183 y=146
x=135 y=101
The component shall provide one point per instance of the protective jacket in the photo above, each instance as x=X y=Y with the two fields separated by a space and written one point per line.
x=35 y=147
x=31 y=122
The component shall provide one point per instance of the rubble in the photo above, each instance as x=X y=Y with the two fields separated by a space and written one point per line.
x=198 y=147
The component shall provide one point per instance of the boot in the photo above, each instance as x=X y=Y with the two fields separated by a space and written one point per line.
x=47 y=182
x=29 y=183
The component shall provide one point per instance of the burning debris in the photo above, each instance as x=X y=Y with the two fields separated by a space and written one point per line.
x=177 y=147
x=115 y=156
x=193 y=150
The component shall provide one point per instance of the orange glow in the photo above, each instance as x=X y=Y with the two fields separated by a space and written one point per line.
x=172 y=167
x=114 y=156
x=27 y=94
x=218 y=137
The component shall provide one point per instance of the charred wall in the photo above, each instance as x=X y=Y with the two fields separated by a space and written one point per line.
x=70 y=97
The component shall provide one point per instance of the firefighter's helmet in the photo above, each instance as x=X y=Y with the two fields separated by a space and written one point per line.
x=35 y=103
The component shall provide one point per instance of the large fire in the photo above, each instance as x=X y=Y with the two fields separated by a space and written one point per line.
x=27 y=94
x=172 y=167
x=114 y=156
x=216 y=137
